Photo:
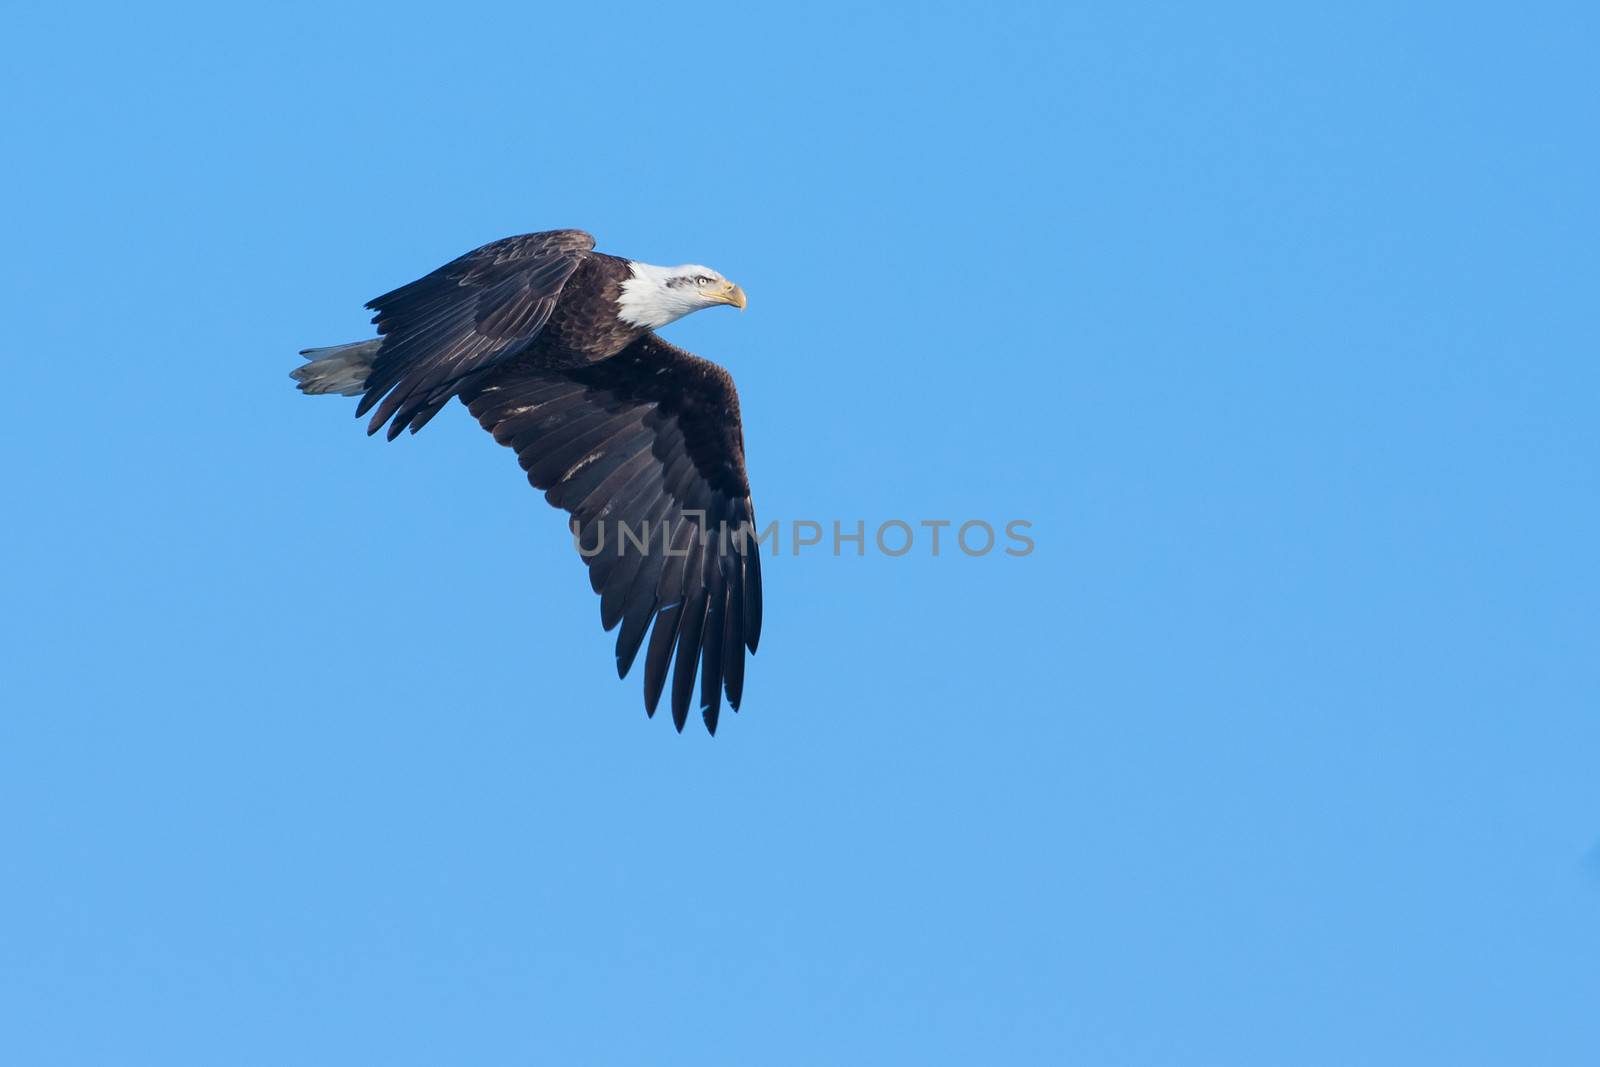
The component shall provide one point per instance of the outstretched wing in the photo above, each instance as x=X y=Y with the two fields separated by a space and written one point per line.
x=463 y=319
x=648 y=441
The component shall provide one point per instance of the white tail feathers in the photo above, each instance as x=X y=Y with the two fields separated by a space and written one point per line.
x=341 y=369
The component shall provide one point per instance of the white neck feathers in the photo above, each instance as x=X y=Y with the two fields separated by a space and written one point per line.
x=648 y=301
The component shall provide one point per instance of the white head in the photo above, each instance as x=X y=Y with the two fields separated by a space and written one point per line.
x=655 y=296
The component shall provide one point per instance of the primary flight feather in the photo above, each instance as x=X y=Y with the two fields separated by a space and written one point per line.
x=551 y=346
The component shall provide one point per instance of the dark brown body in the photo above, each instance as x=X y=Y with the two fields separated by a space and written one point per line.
x=584 y=326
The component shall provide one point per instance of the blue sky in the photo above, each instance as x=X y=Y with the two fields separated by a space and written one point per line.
x=1279 y=748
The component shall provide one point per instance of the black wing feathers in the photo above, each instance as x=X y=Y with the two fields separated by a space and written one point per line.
x=641 y=444
x=443 y=332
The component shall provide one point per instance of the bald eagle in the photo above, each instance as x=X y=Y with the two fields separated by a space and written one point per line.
x=551 y=346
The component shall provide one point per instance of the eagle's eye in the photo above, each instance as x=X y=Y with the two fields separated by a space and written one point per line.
x=702 y=280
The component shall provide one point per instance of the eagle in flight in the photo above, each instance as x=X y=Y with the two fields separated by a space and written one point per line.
x=551 y=346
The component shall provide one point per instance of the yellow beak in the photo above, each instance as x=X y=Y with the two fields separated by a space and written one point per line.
x=728 y=293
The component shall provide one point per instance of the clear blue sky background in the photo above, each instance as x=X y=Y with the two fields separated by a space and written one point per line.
x=1280 y=749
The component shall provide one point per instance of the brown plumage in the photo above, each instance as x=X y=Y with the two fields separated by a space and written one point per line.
x=614 y=424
